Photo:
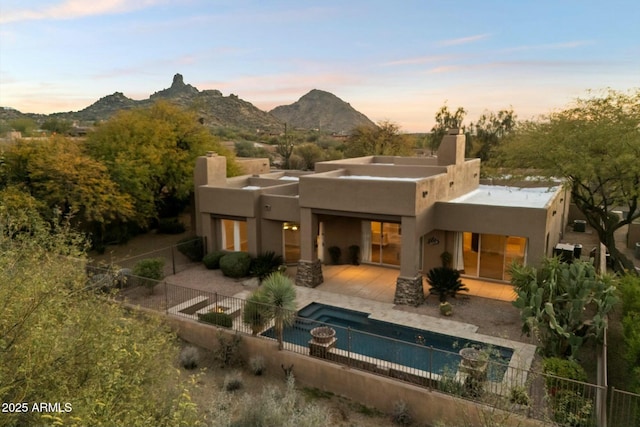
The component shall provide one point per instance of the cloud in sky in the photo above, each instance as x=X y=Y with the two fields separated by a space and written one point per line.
x=71 y=9
x=463 y=40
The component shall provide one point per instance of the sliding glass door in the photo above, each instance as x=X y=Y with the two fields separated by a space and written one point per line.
x=490 y=255
x=381 y=242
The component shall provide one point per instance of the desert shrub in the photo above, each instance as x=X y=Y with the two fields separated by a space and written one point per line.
x=445 y=282
x=189 y=357
x=567 y=403
x=235 y=264
x=215 y=318
x=227 y=352
x=257 y=365
x=212 y=259
x=562 y=368
x=233 y=381
x=192 y=248
x=149 y=271
x=518 y=395
x=274 y=408
x=257 y=314
x=265 y=264
x=570 y=408
x=170 y=226
x=629 y=290
x=401 y=414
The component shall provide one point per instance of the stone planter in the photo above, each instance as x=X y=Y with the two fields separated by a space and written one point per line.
x=323 y=334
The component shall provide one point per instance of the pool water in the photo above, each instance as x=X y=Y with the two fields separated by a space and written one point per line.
x=408 y=346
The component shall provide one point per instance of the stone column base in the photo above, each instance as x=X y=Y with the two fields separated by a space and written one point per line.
x=309 y=273
x=409 y=291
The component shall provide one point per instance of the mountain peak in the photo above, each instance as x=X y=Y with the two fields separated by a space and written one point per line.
x=178 y=89
x=322 y=110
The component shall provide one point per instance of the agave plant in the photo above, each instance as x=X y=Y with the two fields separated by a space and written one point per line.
x=445 y=282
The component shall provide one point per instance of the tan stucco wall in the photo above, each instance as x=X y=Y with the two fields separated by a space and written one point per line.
x=341 y=232
x=428 y=406
x=506 y=221
x=252 y=166
x=228 y=201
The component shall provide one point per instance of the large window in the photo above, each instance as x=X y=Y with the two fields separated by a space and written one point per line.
x=491 y=255
x=234 y=235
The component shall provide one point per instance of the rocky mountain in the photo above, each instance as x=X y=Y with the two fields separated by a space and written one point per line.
x=315 y=110
x=321 y=110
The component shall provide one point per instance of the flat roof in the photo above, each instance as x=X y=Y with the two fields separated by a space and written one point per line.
x=380 y=178
x=498 y=195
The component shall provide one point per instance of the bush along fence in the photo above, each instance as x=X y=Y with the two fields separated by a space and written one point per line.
x=476 y=374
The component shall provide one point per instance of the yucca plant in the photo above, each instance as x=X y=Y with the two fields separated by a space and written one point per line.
x=445 y=282
x=279 y=294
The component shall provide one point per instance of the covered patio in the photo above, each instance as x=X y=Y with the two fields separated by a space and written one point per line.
x=379 y=283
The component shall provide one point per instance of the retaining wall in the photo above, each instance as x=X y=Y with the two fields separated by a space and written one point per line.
x=427 y=406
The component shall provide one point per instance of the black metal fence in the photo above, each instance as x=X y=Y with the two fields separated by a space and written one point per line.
x=176 y=258
x=487 y=379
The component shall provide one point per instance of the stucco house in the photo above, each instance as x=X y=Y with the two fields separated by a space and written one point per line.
x=402 y=212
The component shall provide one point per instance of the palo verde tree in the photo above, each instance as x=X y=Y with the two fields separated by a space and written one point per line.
x=63 y=343
x=488 y=132
x=563 y=305
x=382 y=140
x=445 y=120
x=595 y=146
x=150 y=153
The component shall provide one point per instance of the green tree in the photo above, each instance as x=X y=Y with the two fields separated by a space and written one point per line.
x=445 y=120
x=150 y=153
x=57 y=126
x=563 y=305
x=595 y=146
x=489 y=131
x=60 y=342
x=383 y=140
x=59 y=174
x=23 y=125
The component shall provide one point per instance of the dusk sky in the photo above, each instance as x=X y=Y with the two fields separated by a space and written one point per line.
x=391 y=60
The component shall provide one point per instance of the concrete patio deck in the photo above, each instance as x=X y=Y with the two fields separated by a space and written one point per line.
x=378 y=283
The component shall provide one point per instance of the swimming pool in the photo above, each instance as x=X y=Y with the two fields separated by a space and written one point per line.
x=394 y=343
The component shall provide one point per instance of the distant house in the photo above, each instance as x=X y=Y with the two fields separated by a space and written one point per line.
x=402 y=212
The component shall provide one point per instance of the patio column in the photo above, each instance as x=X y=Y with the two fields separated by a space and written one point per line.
x=309 y=272
x=409 y=286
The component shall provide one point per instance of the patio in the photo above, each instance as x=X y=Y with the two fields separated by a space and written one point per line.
x=379 y=283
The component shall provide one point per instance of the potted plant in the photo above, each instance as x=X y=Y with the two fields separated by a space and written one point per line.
x=323 y=334
x=354 y=254
x=335 y=253
x=446 y=258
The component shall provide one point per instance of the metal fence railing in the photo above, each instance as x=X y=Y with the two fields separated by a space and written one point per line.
x=624 y=408
x=492 y=382
x=176 y=258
